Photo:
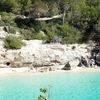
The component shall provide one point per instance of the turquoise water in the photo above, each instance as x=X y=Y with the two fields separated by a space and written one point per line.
x=63 y=86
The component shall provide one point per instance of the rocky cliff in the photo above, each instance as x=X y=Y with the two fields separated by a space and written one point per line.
x=37 y=54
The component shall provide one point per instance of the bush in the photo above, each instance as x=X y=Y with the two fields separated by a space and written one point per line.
x=30 y=34
x=37 y=36
x=12 y=42
x=9 y=5
x=70 y=40
x=7 y=17
x=2 y=23
x=12 y=30
x=70 y=34
x=28 y=24
x=49 y=31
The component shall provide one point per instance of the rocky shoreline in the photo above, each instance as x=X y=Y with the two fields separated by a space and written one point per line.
x=37 y=55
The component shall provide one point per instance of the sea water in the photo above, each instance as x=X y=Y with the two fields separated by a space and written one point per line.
x=61 y=86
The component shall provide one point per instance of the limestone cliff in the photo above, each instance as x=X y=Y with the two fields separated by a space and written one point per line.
x=37 y=54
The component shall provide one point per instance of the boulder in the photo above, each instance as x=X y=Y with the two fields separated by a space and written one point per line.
x=83 y=62
x=92 y=62
x=67 y=67
x=97 y=59
x=74 y=63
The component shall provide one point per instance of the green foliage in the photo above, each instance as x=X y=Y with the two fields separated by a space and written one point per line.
x=8 y=18
x=2 y=23
x=53 y=9
x=12 y=42
x=98 y=12
x=43 y=96
x=25 y=31
x=97 y=27
x=37 y=36
x=9 y=5
x=80 y=21
x=12 y=30
x=25 y=6
x=43 y=90
x=70 y=34
x=40 y=10
x=49 y=31
x=82 y=15
x=30 y=34
x=93 y=2
x=28 y=23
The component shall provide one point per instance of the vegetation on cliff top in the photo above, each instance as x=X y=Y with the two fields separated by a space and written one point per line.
x=12 y=42
x=75 y=21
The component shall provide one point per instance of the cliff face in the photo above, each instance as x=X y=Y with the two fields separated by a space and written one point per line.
x=37 y=54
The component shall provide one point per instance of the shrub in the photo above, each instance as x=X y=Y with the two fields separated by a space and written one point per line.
x=71 y=39
x=25 y=31
x=2 y=23
x=30 y=34
x=12 y=30
x=12 y=42
x=7 y=17
x=37 y=36
x=49 y=31
x=70 y=34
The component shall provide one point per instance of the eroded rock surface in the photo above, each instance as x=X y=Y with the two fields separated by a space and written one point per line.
x=36 y=54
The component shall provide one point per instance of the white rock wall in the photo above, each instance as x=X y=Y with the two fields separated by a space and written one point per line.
x=37 y=54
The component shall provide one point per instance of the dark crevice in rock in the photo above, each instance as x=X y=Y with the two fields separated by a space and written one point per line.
x=7 y=63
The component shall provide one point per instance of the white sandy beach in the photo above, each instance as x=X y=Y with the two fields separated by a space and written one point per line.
x=93 y=69
x=14 y=70
x=26 y=70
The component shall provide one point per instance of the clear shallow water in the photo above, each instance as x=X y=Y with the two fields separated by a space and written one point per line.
x=63 y=86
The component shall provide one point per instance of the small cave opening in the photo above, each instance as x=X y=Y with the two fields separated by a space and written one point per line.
x=7 y=63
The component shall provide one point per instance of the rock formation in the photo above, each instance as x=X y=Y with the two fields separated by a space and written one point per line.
x=67 y=67
x=36 y=54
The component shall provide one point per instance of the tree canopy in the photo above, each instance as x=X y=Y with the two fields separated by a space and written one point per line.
x=80 y=17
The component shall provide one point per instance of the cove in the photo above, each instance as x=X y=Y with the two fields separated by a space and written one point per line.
x=62 y=85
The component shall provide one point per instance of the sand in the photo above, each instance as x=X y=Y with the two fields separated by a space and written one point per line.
x=27 y=70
